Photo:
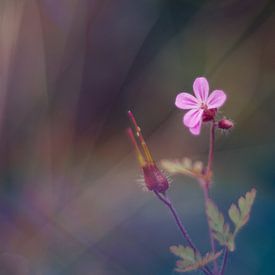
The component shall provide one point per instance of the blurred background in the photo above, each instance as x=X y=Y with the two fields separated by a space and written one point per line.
x=69 y=72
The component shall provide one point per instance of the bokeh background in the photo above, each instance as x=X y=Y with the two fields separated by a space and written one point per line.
x=69 y=71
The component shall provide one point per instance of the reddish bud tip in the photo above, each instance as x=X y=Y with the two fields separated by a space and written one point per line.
x=225 y=124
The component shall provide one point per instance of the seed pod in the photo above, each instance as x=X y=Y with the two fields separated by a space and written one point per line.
x=154 y=179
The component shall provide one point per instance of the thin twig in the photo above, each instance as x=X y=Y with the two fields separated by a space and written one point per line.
x=168 y=203
x=205 y=186
x=211 y=147
x=224 y=261
x=206 y=198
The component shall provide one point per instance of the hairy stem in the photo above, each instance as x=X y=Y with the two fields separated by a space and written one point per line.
x=206 y=198
x=211 y=147
x=168 y=203
x=224 y=261
x=206 y=183
x=180 y=225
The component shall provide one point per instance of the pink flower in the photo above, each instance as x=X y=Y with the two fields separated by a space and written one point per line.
x=199 y=105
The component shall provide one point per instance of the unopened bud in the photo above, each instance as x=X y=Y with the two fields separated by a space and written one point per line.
x=225 y=124
x=209 y=114
x=154 y=179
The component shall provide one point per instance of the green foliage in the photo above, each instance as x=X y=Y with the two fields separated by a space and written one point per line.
x=186 y=253
x=183 y=166
x=190 y=260
x=240 y=214
x=220 y=229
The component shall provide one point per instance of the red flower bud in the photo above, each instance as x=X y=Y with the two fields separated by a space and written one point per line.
x=225 y=124
x=209 y=114
x=154 y=179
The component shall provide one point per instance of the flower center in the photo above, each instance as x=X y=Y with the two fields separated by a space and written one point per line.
x=204 y=106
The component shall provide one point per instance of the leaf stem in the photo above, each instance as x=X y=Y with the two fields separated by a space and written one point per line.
x=224 y=261
x=165 y=199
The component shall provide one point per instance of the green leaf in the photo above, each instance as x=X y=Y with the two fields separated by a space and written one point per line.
x=220 y=229
x=240 y=214
x=183 y=166
x=190 y=260
x=186 y=253
x=216 y=218
x=208 y=258
x=234 y=214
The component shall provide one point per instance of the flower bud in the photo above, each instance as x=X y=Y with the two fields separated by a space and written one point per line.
x=225 y=124
x=154 y=179
x=209 y=114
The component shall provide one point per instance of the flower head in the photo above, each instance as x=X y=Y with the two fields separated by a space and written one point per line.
x=154 y=179
x=203 y=107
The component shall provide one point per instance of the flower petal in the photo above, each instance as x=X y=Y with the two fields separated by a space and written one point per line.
x=186 y=101
x=201 y=88
x=196 y=129
x=216 y=99
x=192 y=117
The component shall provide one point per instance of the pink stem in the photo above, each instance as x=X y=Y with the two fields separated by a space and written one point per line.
x=206 y=198
x=205 y=186
x=211 y=147
x=180 y=225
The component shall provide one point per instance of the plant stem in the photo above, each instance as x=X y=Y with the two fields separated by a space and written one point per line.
x=180 y=225
x=168 y=203
x=224 y=261
x=206 y=198
x=211 y=147
x=205 y=186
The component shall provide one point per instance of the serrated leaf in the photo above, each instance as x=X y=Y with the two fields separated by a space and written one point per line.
x=234 y=214
x=183 y=166
x=176 y=167
x=240 y=214
x=186 y=253
x=216 y=218
x=220 y=229
x=208 y=258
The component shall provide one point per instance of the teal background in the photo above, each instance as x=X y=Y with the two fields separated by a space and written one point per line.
x=69 y=72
